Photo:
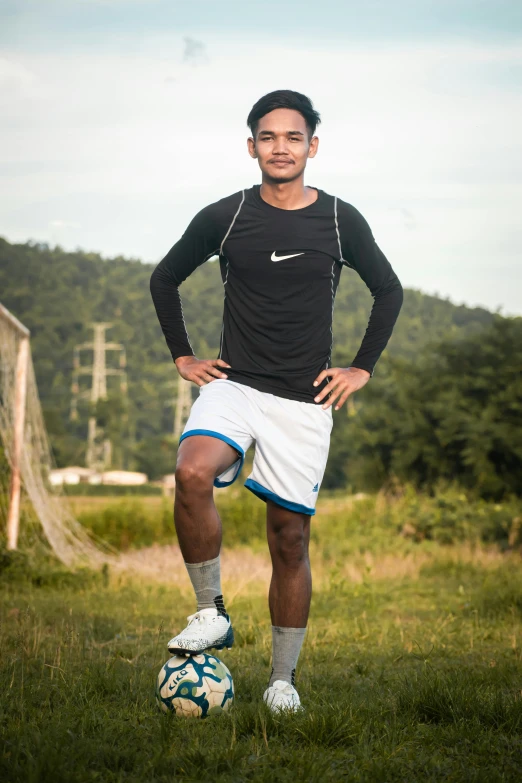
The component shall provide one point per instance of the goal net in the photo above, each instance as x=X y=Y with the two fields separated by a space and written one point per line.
x=42 y=508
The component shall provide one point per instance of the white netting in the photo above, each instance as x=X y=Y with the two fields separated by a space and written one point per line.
x=68 y=539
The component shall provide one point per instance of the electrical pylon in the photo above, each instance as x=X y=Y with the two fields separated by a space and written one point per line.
x=98 y=446
x=182 y=405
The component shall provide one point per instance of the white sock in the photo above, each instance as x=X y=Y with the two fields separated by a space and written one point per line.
x=206 y=581
x=286 y=646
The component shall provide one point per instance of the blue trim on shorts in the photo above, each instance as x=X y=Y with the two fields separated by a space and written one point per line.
x=211 y=434
x=266 y=494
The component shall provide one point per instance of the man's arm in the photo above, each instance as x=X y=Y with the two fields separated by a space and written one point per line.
x=361 y=252
x=200 y=242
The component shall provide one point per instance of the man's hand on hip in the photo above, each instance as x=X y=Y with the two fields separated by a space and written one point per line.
x=200 y=371
x=343 y=382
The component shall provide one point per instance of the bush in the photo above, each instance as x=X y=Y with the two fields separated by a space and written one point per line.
x=451 y=515
x=105 y=490
x=131 y=524
x=342 y=525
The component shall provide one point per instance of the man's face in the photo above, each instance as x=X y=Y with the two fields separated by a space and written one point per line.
x=282 y=146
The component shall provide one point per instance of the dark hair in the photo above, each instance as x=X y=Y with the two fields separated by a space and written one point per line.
x=284 y=99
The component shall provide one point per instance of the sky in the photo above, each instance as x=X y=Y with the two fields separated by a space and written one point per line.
x=121 y=119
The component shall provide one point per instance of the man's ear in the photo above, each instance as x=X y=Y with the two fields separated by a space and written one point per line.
x=251 y=147
x=314 y=145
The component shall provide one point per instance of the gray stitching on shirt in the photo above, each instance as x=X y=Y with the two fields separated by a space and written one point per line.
x=225 y=281
x=233 y=221
x=331 y=323
x=341 y=259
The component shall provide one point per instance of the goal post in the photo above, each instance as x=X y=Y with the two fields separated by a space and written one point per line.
x=29 y=460
x=20 y=395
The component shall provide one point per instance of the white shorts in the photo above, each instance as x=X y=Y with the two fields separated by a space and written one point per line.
x=292 y=440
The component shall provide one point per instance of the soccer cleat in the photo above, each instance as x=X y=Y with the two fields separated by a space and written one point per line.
x=207 y=629
x=281 y=696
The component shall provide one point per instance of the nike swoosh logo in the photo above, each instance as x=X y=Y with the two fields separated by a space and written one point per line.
x=273 y=257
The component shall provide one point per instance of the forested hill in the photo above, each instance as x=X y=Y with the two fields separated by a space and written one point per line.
x=57 y=295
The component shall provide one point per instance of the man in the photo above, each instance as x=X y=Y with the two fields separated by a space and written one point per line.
x=281 y=248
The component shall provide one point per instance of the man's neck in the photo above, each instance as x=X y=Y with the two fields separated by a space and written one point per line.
x=288 y=195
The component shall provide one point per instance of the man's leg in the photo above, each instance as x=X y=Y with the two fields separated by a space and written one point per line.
x=198 y=526
x=290 y=589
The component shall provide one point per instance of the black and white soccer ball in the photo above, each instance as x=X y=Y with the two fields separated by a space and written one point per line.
x=194 y=687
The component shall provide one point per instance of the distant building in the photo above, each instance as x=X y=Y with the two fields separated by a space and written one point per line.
x=77 y=475
x=126 y=478
x=167 y=483
x=71 y=475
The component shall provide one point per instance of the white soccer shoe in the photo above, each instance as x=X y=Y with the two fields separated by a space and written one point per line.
x=207 y=629
x=282 y=697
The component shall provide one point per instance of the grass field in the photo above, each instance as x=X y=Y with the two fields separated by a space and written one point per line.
x=411 y=669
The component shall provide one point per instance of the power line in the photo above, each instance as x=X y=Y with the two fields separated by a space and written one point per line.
x=98 y=445
x=183 y=403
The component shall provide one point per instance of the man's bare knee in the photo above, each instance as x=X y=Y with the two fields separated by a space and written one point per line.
x=291 y=545
x=194 y=476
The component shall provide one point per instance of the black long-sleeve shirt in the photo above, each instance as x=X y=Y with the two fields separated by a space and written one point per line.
x=280 y=270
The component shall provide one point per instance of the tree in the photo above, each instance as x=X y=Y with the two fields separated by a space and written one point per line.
x=454 y=414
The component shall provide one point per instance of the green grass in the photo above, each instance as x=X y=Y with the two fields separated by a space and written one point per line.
x=374 y=523
x=407 y=676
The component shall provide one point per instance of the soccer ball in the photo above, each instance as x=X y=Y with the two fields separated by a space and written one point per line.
x=194 y=687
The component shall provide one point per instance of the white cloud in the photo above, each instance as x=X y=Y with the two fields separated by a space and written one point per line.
x=129 y=147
